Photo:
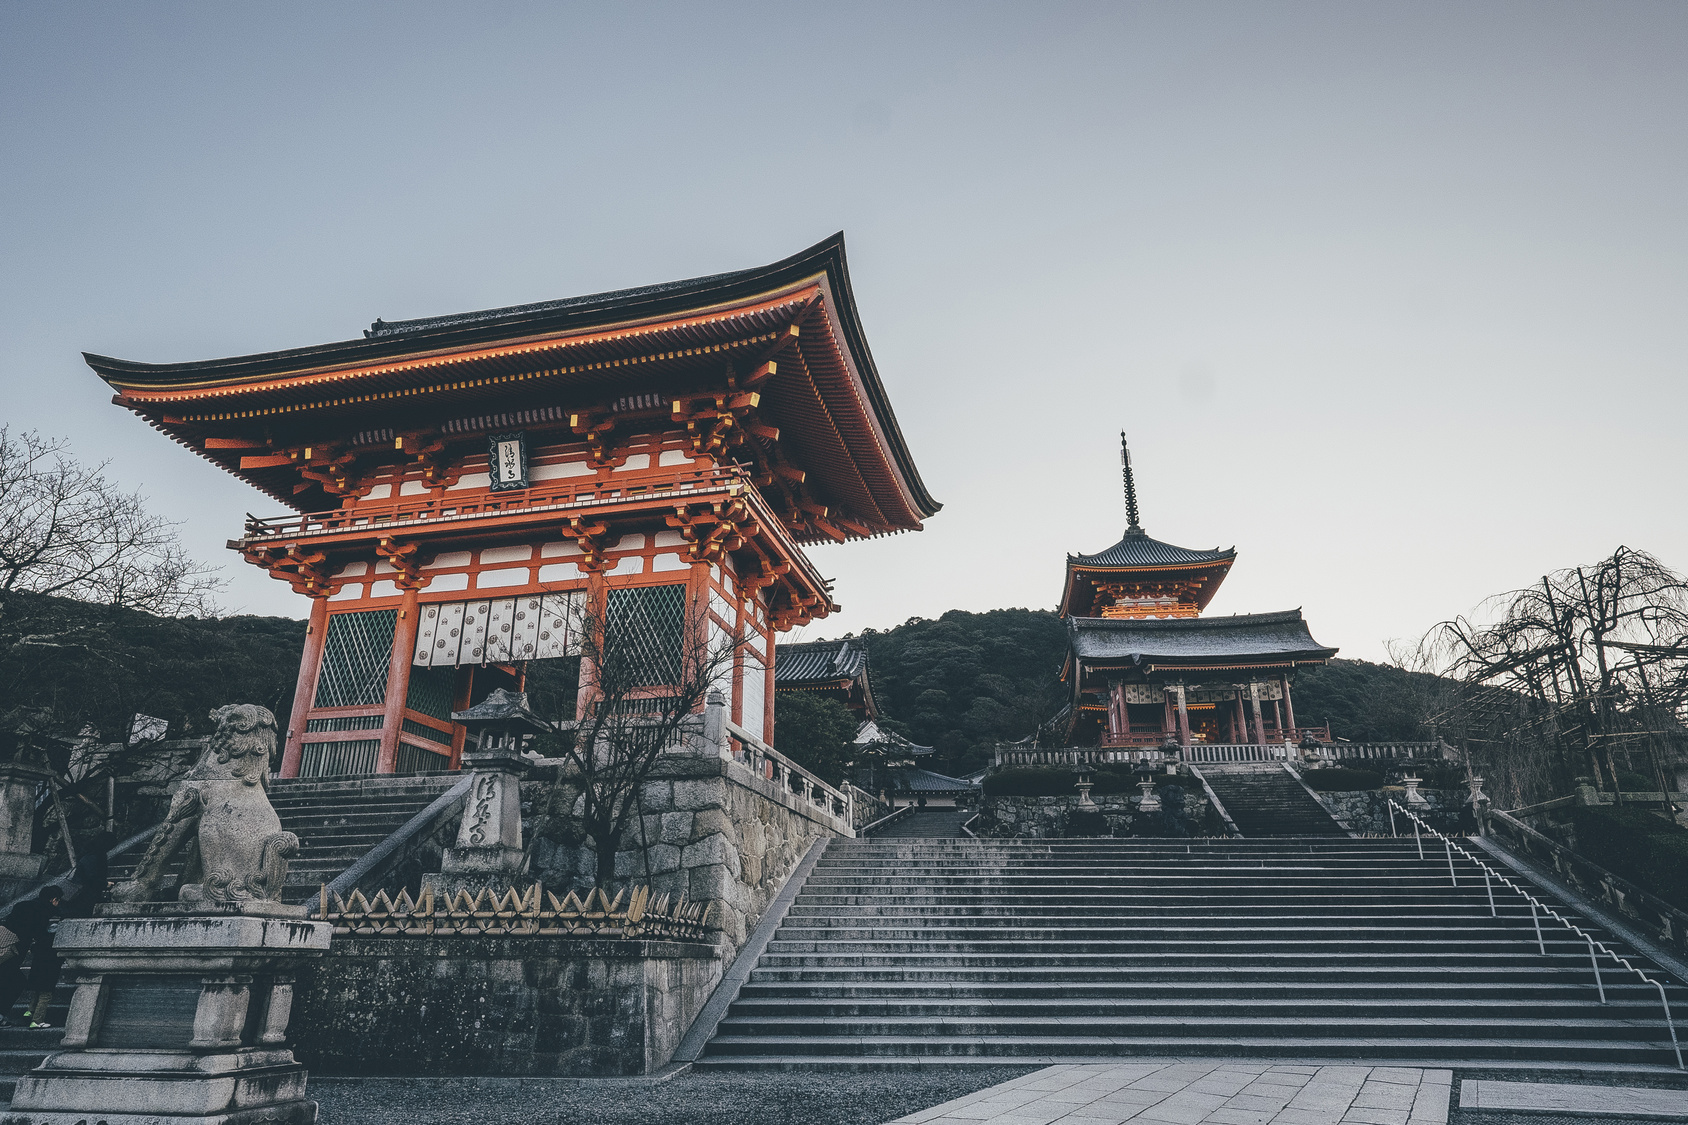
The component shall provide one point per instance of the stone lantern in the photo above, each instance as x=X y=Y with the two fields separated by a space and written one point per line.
x=1413 y=799
x=1086 y=778
x=1149 y=803
x=488 y=852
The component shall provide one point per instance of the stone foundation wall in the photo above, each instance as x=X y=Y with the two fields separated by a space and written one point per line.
x=709 y=829
x=1367 y=810
x=1041 y=818
x=531 y=1006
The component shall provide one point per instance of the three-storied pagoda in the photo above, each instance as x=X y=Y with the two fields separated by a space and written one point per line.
x=464 y=484
x=1144 y=667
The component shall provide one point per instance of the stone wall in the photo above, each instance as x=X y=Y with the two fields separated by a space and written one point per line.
x=709 y=829
x=1661 y=921
x=532 y=1006
x=1041 y=818
x=1367 y=810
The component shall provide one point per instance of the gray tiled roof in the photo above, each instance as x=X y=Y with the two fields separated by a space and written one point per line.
x=1278 y=635
x=1137 y=549
x=913 y=779
x=818 y=660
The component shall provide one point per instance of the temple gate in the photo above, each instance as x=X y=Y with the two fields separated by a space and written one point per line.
x=467 y=490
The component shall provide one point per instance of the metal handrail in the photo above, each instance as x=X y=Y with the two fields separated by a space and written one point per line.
x=1489 y=873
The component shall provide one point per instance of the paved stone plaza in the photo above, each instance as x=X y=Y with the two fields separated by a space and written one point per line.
x=1197 y=1093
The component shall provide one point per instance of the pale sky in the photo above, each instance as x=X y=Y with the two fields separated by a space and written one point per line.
x=1388 y=296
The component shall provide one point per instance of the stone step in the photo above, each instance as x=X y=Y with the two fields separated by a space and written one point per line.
x=783 y=1050
x=1172 y=1029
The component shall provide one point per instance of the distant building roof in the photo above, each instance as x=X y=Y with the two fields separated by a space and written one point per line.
x=871 y=734
x=837 y=668
x=1244 y=639
x=913 y=779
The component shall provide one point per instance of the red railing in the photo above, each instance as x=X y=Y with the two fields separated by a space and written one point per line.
x=379 y=516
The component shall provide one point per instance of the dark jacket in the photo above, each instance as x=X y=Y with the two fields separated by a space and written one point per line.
x=32 y=921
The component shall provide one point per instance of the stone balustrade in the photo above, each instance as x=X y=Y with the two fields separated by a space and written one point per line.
x=1209 y=753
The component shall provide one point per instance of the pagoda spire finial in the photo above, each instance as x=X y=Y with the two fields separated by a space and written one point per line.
x=1130 y=487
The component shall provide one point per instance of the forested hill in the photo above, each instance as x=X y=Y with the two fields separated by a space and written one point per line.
x=965 y=681
x=92 y=665
x=961 y=682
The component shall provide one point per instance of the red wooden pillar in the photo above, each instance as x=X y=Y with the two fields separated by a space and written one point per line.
x=1278 y=718
x=1289 y=708
x=463 y=690
x=1183 y=719
x=398 y=684
x=1259 y=723
x=316 y=633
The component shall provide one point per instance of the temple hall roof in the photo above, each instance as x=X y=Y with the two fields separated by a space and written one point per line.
x=818 y=661
x=1251 y=638
x=838 y=667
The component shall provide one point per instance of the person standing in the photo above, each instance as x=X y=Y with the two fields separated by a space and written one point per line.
x=90 y=878
x=31 y=922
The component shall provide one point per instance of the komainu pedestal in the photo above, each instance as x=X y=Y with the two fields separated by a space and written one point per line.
x=177 y=1018
x=181 y=1008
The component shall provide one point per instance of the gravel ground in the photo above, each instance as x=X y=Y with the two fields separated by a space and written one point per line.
x=794 y=1098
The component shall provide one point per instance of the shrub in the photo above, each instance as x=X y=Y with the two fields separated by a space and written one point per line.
x=1637 y=782
x=1637 y=845
x=1042 y=782
x=1337 y=779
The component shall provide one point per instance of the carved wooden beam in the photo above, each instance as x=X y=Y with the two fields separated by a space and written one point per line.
x=408 y=560
x=590 y=538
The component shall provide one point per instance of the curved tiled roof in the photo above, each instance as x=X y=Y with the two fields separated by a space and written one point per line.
x=1137 y=549
x=818 y=660
x=913 y=779
x=1278 y=637
x=576 y=353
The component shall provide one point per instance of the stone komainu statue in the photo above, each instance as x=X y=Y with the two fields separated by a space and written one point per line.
x=234 y=849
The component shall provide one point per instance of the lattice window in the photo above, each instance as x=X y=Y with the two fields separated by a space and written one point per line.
x=339 y=759
x=355 y=657
x=431 y=691
x=643 y=634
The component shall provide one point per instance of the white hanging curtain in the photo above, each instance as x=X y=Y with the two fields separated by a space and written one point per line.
x=499 y=630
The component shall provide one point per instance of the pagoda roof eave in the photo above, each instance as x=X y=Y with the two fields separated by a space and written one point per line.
x=1243 y=640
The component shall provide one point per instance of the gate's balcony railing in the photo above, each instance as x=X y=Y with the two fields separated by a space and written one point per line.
x=385 y=516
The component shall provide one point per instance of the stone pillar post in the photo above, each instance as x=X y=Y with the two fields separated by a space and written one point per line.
x=18 y=783
x=488 y=852
x=1289 y=708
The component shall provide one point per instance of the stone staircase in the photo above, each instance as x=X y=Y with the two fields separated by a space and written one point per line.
x=337 y=821
x=1265 y=799
x=926 y=823
x=900 y=952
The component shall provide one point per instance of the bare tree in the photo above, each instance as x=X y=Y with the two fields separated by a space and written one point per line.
x=647 y=666
x=1575 y=671
x=65 y=529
